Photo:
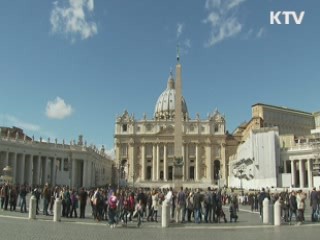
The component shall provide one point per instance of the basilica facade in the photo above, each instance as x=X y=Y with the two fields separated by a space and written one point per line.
x=144 y=148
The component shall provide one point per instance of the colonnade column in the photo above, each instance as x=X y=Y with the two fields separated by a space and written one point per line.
x=31 y=171
x=197 y=162
x=45 y=172
x=293 y=173
x=310 y=179
x=74 y=164
x=89 y=169
x=53 y=170
x=154 y=158
x=143 y=162
x=38 y=177
x=6 y=160
x=14 y=167
x=21 y=168
x=165 y=163
x=85 y=174
x=301 y=173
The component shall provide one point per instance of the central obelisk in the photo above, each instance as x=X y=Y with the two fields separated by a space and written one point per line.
x=178 y=157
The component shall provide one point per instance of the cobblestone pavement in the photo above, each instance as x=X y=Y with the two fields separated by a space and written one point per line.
x=16 y=225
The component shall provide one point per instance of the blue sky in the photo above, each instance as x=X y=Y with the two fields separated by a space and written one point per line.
x=69 y=67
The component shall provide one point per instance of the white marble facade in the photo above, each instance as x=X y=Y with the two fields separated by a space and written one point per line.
x=257 y=160
x=145 y=147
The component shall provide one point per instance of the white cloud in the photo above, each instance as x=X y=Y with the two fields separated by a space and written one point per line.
x=184 y=44
x=260 y=32
x=58 y=109
x=187 y=43
x=111 y=153
x=222 y=20
x=179 y=29
x=234 y=3
x=72 y=20
x=14 y=121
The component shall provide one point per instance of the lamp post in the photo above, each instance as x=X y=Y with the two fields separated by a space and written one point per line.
x=219 y=179
x=241 y=171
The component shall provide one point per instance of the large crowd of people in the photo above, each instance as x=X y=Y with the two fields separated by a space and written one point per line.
x=124 y=205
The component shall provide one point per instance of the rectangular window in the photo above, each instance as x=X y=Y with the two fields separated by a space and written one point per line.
x=149 y=150
x=124 y=150
x=192 y=150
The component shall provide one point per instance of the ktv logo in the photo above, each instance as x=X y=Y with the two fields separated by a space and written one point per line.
x=286 y=17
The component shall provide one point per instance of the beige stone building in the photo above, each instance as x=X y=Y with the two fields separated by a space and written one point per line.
x=35 y=162
x=145 y=147
x=287 y=156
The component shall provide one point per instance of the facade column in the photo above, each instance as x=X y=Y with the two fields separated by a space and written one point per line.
x=117 y=166
x=285 y=170
x=293 y=173
x=118 y=157
x=143 y=162
x=154 y=162
x=184 y=165
x=165 y=163
x=310 y=179
x=301 y=173
x=197 y=162
x=132 y=163
x=208 y=163
x=158 y=163
x=186 y=161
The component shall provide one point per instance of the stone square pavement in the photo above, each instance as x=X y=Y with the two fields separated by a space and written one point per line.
x=16 y=225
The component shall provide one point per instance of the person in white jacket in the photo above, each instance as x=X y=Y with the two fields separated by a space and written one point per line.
x=301 y=196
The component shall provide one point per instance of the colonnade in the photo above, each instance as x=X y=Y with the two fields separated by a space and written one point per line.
x=301 y=172
x=39 y=169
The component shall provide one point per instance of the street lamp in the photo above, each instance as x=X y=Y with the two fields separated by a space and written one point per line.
x=240 y=176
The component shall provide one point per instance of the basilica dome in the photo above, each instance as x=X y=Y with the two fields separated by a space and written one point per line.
x=165 y=106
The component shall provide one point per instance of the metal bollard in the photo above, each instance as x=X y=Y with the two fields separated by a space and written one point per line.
x=265 y=211
x=277 y=213
x=57 y=210
x=32 y=207
x=165 y=214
